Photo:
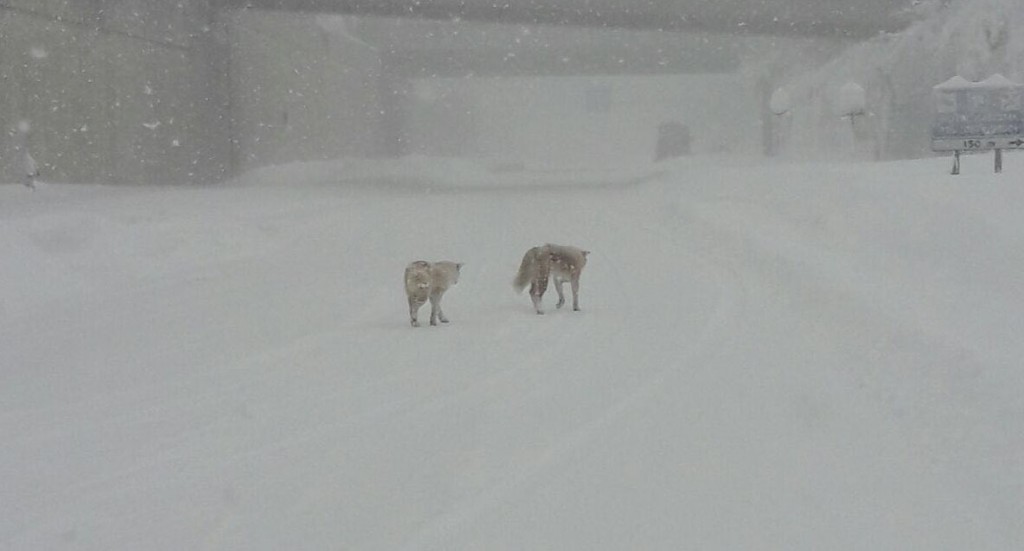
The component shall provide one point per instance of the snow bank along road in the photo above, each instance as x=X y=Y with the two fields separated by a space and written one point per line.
x=768 y=357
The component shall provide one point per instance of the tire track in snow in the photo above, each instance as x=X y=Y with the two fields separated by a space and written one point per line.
x=557 y=457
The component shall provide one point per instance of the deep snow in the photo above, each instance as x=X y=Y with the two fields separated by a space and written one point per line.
x=769 y=356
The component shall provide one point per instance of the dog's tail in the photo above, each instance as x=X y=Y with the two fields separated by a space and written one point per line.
x=526 y=270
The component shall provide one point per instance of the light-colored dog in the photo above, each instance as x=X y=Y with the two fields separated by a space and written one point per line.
x=428 y=281
x=559 y=262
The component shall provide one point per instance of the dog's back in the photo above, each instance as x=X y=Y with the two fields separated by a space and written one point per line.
x=566 y=260
x=561 y=260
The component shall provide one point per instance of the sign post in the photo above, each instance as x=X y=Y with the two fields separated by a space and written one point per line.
x=978 y=116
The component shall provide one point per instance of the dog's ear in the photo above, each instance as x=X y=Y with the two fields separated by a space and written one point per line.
x=585 y=253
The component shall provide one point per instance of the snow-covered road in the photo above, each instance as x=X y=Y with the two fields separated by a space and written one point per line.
x=769 y=357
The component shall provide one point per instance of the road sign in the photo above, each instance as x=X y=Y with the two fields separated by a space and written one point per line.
x=976 y=144
x=978 y=116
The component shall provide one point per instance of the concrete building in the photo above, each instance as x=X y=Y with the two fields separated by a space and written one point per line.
x=135 y=91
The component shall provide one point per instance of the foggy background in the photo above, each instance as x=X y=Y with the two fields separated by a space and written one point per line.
x=771 y=353
x=135 y=91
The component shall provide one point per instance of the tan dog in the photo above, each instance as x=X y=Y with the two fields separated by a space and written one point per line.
x=428 y=281
x=559 y=262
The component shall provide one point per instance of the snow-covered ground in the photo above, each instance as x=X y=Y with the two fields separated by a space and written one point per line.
x=769 y=357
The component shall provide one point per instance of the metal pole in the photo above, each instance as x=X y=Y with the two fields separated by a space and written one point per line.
x=956 y=163
x=999 y=161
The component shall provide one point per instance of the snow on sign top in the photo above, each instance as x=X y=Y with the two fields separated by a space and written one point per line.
x=997 y=81
x=956 y=83
x=960 y=83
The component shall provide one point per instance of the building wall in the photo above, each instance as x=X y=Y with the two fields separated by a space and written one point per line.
x=120 y=91
x=580 y=121
x=300 y=92
x=143 y=92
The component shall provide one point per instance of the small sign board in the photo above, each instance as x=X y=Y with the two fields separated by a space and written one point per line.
x=978 y=116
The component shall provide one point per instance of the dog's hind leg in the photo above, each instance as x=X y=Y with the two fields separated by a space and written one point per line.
x=537 y=289
x=559 y=282
x=575 y=282
x=436 y=314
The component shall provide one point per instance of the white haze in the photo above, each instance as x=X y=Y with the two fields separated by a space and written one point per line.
x=810 y=351
x=771 y=357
